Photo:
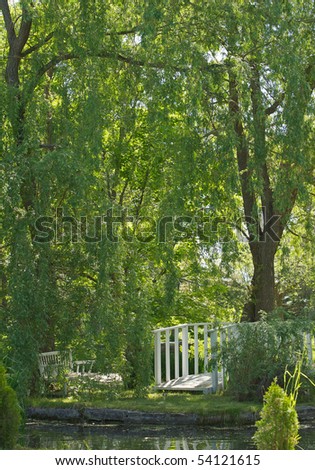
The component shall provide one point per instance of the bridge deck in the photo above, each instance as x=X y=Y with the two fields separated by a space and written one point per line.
x=191 y=383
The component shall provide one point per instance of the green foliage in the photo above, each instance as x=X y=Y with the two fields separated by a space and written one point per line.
x=86 y=389
x=278 y=428
x=139 y=356
x=308 y=386
x=127 y=105
x=299 y=381
x=296 y=266
x=279 y=425
x=10 y=416
x=257 y=353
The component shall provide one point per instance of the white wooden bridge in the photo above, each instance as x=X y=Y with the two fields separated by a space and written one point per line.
x=185 y=356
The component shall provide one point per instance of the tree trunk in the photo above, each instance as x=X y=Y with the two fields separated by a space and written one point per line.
x=265 y=224
x=262 y=295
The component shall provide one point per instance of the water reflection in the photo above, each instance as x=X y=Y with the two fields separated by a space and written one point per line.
x=119 y=437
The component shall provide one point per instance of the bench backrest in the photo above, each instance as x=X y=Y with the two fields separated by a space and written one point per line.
x=52 y=362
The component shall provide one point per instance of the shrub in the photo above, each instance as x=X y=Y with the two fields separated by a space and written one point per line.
x=9 y=414
x=278 y=428
x=256 y=353
x=137 y=374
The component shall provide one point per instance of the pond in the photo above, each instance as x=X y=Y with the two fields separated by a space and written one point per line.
x=50 y=435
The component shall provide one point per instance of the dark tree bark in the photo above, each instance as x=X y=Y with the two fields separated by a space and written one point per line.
x=262 y=295
x=17 y=42
x=265 y=222
x=265 y=225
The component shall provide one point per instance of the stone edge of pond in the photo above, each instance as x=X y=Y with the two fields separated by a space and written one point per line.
x=108 y=415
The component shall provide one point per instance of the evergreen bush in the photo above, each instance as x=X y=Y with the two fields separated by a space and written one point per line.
x=9 y=414
x=278 y=428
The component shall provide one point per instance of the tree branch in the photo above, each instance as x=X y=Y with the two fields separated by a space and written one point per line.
x=260 y=149
x=273 y=108
x=63 y=197
x=310 y=76
x=111 y=193
x=24 y=32
x=50 y=36
x=115 y=56
x=239 y=228
x=299 y=236
x=8 y=21
x=88 y=276
x=143 y=188
x=38 y=45
x=122 y=194
x=121 y=33
x=281 y=224
x=242 y=152
x=16 y=42
x=310 y=73
x=49 y=146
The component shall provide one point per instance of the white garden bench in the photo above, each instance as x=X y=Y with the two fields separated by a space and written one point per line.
x=56 y=364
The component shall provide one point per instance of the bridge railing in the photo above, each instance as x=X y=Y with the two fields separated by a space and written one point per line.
x=193 y=348
x=183 y=347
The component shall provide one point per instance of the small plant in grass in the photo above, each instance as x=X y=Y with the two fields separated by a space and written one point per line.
x=9 y=414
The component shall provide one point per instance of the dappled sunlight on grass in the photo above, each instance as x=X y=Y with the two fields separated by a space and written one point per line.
x=156 y=402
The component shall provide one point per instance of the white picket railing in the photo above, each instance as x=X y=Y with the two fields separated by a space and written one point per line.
x=197 y=340
x=185 y=340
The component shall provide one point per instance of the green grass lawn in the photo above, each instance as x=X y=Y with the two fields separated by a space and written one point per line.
x=83 y=394
x=156 y=402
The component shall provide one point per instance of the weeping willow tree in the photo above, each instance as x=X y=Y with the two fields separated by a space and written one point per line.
x=247 y=69
x=69 y=126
